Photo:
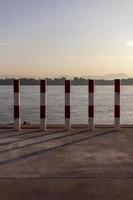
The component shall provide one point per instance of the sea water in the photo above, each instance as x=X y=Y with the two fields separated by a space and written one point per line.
x=30 y=104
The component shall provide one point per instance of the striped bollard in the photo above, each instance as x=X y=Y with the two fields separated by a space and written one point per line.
x=17 y=125
x=43 y=105
x=91 y=122
x=67 y=104
x=117 y=104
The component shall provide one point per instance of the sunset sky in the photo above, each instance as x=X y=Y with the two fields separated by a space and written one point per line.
x=66 y=37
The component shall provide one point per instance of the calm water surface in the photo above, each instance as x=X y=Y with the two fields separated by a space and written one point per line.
x=30 y=99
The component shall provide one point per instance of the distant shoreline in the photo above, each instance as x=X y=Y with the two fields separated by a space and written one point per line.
x=60 y=81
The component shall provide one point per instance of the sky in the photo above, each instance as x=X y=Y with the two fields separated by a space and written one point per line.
x=41 y=38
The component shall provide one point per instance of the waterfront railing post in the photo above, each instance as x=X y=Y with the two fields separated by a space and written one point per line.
x=117 y=84
x=91 y=122
x=43 y=104
x=17 y=122
x=67 y=104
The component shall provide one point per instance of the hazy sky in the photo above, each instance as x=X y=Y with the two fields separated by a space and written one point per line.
x=66 y=37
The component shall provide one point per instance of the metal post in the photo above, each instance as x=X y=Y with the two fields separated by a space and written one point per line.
x=117 y=104
x=67 y=104
x=43 y=105
x=17 y=125
x=91 y=84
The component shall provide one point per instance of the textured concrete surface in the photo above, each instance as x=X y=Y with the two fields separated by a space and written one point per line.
x=59 y=164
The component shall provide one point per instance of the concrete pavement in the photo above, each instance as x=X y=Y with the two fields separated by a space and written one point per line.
x=59 y=164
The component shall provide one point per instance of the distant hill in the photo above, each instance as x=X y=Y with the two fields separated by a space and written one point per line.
x=108 y=77
x=115 y=76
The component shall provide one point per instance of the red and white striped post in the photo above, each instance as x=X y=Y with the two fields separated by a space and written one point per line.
x=117 y=104
x=91 y=84
x=67 y=104
x=17 y=125
x=43 y=104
